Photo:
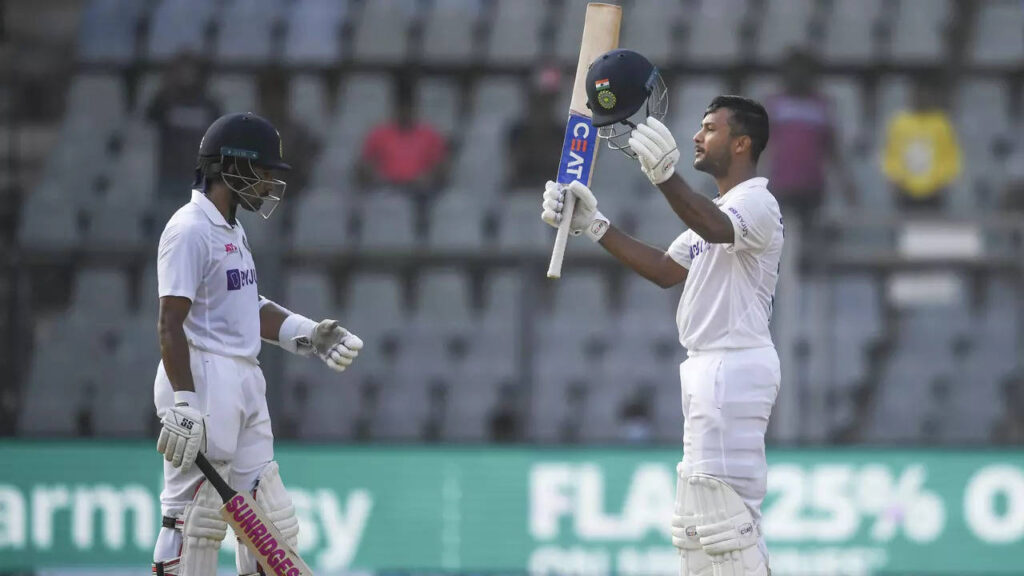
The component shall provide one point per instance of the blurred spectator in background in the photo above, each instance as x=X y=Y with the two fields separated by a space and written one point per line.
x=504 y=420
x=635 y=420
x=1010 y=428
x=804 y=145
x=301 y=147
x=535 y=140
x=181 y=111
x=1013 y=190
x=921 y=156
x=404 y=152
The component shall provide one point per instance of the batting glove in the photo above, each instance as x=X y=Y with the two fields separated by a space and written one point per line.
x=586 y=218
x=656 y=150
x=336 y=346
x=184 y=433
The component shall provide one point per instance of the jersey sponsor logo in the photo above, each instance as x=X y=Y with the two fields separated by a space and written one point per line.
x=739 y=218
x=238 y=279
x=230 y=248
x=699 y=247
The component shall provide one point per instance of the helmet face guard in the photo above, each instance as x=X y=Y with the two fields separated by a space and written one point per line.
x=255 y=194
x=252 y=143
x=656 y=105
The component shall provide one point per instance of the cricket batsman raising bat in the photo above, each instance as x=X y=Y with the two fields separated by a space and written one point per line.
x=728 y=261
x=209 y=391
x=579 y=149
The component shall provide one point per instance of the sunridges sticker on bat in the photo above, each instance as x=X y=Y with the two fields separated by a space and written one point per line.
x=579 y=149
x=253 y=528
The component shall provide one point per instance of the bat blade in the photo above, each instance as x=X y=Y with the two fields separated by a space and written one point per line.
x=579 y=148
x=257 y=533
x=254 y=530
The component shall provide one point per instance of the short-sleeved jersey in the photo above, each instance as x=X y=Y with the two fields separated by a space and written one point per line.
x=730 y=288
x=208 y=261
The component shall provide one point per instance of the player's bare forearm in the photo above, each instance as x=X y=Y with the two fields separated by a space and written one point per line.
x=697 y=211
x=173 y=344
x=272 y=316
x=647 y=261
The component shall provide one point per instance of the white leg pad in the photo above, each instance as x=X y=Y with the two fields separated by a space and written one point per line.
x=693 y=561
x=724 y=527
x=275 y=502
x=202 y=530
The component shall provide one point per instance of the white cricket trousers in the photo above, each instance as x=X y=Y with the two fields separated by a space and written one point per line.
x=232 y=399
x=727 y=398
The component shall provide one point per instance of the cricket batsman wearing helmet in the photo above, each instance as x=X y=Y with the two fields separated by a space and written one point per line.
x=209 y=391
x=728 y=261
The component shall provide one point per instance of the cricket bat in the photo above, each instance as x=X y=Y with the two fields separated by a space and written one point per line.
x=579 y=149
x=253 y=528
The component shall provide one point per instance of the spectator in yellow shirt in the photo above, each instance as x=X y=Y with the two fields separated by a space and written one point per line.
x=921 y=156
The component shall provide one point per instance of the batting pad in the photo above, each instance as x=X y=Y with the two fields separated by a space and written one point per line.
x=725 y=528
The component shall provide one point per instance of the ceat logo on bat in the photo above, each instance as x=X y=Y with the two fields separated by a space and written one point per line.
x=577 y=149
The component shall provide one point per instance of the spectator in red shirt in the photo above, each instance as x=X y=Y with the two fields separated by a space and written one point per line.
x=404 y=152
x=804 y=143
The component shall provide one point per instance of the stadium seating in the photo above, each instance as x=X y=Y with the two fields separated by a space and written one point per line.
x=314 y=32
x=463 y=323
x=246 y=31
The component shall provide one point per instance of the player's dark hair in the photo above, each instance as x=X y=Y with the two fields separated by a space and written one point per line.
x=749 y=118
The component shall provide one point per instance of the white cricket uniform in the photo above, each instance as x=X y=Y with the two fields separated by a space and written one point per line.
x=731 y=375
x=208 y=261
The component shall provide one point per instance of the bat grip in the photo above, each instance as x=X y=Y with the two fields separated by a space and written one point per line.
x=225 y=491
x=562 y=236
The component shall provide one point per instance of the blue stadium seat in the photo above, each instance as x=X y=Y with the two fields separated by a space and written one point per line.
x=177 y=26
x=714 y=31
x=373 y=94
x=997 y=38
x=234 y=92
x=849 y=31
x=648 y=26
x=381 y=33
x=307 y=103
x=515 y=31
x=918 y=31
x=448 y=31
x=321 y=222
x=456 y=222
x=443 y=298
x=437 y=101
x=107 y=32
x=312 y=289
x=786 y=23
x=245 y=32
x=520 y=227
x=387 y=221
x=314 y=32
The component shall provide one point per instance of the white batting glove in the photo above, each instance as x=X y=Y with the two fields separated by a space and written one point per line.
x=183 y=434
x=656 y=150
x=586 y=218
x=336 y=346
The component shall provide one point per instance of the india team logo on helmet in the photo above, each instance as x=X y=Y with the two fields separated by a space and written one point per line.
x=639 y=92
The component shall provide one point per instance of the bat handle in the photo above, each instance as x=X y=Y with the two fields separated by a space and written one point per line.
x=562 y=236
x=225 y=491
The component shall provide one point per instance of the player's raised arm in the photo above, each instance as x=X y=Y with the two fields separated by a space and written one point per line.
x=648 y=261
x=332 y=343
x=658 y=154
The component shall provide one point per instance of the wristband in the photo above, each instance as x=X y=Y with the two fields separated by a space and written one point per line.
x=596 y=229
x=187 y=398
x=294 y=330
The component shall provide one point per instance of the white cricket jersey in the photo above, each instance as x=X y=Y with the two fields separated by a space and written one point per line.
x=208 y=261
x=729 y=292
